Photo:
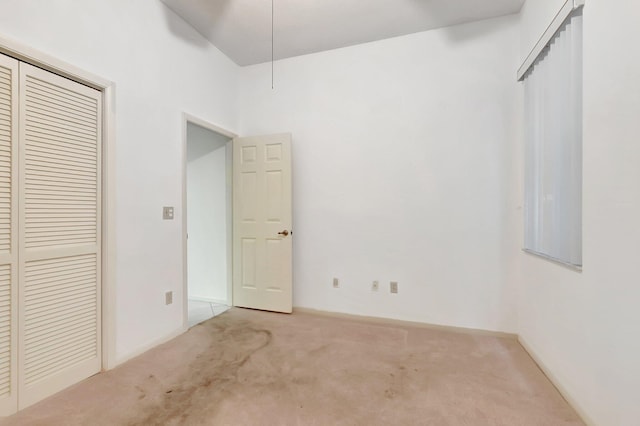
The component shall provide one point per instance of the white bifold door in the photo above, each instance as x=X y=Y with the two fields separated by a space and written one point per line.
x=262 y=235
x=50 y=192
x=8 y=235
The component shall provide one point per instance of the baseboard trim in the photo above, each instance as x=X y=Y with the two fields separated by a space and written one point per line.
x=391 y=321
x=149 y=346
x=556 y=382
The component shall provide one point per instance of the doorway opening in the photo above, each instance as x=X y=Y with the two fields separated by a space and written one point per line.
x=208 y=193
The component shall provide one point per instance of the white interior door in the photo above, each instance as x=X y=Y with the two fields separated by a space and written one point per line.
x=8 y=235
x=59 y=234
x=262 y=240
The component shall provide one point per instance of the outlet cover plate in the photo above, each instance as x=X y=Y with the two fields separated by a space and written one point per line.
x=393 y=287
x=375 y=286
x=168 y=298
x=336 y=283
x=167 y=213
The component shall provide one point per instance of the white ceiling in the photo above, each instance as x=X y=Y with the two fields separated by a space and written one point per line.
x=242 y=28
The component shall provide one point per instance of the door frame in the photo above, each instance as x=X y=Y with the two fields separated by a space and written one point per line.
x=49 y=63
x=189 y=118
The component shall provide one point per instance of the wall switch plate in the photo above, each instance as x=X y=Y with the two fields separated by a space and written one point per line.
x=168 y=298
x=167 y=213
x=336 y=283
x=375 y=286
x=393 y=287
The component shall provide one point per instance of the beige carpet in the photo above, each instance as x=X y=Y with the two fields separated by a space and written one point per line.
x=254 y=368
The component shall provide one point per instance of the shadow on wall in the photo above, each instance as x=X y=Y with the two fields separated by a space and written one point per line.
x=458 y=12
x=184 y=31
x=445 y=15
x=474 y=30
x=202 y=141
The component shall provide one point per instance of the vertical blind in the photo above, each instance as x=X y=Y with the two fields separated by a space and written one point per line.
x=553 y=157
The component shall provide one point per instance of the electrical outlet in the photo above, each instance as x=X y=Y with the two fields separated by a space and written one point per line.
x=336 y=283
x=375 y=286
x=393 y=287
x=168 y=298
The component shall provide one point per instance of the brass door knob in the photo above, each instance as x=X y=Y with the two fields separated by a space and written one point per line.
x=284 y=233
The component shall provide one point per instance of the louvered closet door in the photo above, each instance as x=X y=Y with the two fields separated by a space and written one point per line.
x=59 y=260
x=8 y=235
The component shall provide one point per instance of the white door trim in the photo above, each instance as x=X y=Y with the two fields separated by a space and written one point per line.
x=42 y=60
x=188 y=118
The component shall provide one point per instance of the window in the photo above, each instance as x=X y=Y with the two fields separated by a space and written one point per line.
x=553 y=153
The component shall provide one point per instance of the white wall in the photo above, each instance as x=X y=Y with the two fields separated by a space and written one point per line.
x=161 y=67
x=206 y=214
x=407 y=166
x=584 y=327
x=402 y=171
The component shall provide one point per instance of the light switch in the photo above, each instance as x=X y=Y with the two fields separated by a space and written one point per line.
x=167 y=213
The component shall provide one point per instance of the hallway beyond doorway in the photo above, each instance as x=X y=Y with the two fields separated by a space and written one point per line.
x=200 y=311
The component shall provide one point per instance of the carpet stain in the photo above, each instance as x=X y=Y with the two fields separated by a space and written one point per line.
x=208 y=379
x=254 y=368
x=142 y=393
